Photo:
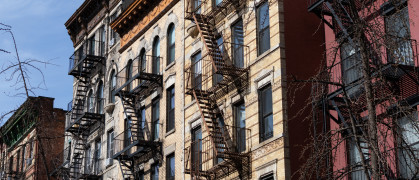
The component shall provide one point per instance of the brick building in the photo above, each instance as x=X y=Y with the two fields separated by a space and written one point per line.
x=390 y=32
x=30 y=138
x=173 y=99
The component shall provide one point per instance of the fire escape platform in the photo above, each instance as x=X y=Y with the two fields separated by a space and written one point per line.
x=85 y=121
x=144 y=146
x=149 y=82
x=91 y=60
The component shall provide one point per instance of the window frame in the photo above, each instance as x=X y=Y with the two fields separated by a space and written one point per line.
x=197 y=65
x=261 y=31
x=156 y=55
x=170 y=111
x=171 y=46
x=110 y=143
x=169 y=167
x=155 y=120
x=241 y=146
x=263 y=134
x=154 y=167
x=112 y=86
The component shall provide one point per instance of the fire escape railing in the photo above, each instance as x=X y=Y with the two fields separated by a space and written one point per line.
x=86 y=57
x=201 y=74
x=138 y=78
x=201 y=160
x=92 y=167
x=137 y=140
x=86 y=115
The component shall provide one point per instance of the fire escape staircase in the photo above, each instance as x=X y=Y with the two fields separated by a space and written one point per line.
x=207 y=103
x=145 y=148
x=336 y=100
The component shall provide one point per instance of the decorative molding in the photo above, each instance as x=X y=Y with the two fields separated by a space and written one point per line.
x=267 y=147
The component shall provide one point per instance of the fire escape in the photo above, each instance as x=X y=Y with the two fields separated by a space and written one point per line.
x=84 y=111
x=139 y=141
x=398 y=67
x=220 y=152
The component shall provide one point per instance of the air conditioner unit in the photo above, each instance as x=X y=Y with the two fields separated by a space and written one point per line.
x=108 y=162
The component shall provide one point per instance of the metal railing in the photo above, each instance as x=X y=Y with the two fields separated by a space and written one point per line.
x=402 y=52
x=146 y=131
x=200 y=154
x=128 y=78
x=201 y=74
x=90 y=48
x=92 y=105
x=208 y=7
x=93 y=166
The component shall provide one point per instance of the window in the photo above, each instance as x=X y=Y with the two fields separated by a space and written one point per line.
x=238 y=44
x=240 y=121
x=142 y=123
x=263 y=34
x=18 y=161
x=217 y=2
x=96 y=160
x=196 y=163
x=92 y=46
x=170 y=167
x=87 y=161
x=112 y=86
x=100 y=98
x=265 y=111
x=23 y=157
x=90 y=102
x=170 y=109
x=221 y=149
x=197 y=71
x=355 y=159
x=128 y=131
x=269 y=176
x=111 y=145
x=408 y=151
x=141 y=175
x=156 y=56
x=143 y=60
x=196 y=8
x=11 y=164
x=171 y=44
x=31 y=151
x=129 y=74
x=154 y=172
x=398 y=28
x=114 y=36
x=155 y=118
x=102 y=39
x=351 y=66
x=219 y=77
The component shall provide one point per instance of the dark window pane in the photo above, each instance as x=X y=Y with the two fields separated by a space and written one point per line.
x=156 y=118
x=170 y=167
x=263 y=27
x=197 y=71
x=238 y=41
x=171 y=44
x=156 y=55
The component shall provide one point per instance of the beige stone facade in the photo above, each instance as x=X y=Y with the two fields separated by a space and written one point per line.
x=264 y=69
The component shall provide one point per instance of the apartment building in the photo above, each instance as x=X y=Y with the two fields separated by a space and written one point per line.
x=390 y=33
x=242 y=120
x=90 y=121
x=30 y=139
x=190 y=90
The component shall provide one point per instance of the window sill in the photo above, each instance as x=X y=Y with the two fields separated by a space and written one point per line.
x=170 y=132
x=170 y=65
x=263 y=55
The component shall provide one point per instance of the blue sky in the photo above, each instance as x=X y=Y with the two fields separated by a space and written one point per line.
x=38 y=26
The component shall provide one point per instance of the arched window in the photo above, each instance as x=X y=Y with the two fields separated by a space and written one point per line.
x=156 y=56
x=112 y=86
x=100 y=98
x=143 y=60
x=129 y=74
x=90 y=101
x=171 y=43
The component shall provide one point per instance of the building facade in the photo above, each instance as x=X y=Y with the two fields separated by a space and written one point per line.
x=190 y=90
x=389 y=33
x=30 y=139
